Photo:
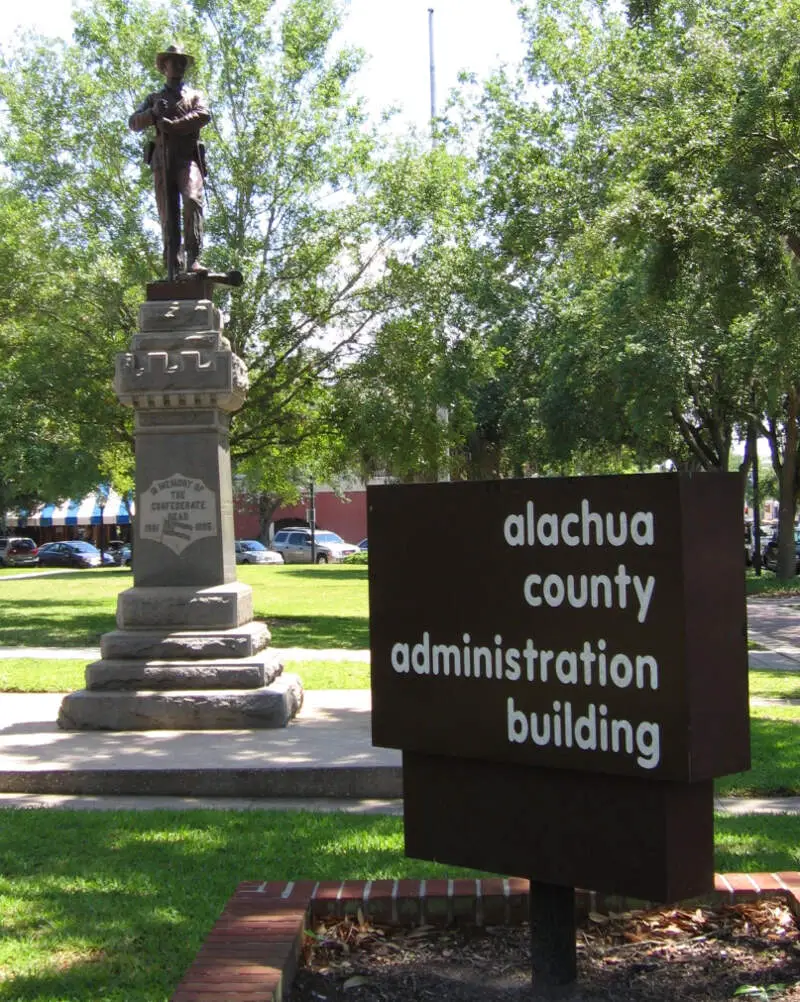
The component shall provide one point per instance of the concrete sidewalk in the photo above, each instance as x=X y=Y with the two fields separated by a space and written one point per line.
x=773 y=623
x=325 y=753
x=324 y=760
x=779 y=659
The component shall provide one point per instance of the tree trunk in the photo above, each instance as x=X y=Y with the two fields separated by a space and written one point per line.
x=750 y=465
x=267 y=503
x=787 y=557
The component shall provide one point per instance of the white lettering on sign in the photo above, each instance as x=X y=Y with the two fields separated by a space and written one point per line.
x=592 y=731
x=177 y=512
x=584 y=528
x=595 y=590
x=582 y=721
x=589 y=665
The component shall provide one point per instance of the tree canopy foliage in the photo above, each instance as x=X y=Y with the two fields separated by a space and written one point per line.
x=595 y=266
x=303 y=198
x=621 y=279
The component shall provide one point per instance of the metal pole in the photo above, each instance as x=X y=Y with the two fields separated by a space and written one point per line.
x=756 y=503
x=432 y=75
x=313 y=520
x=101 y=504
x=442 y=412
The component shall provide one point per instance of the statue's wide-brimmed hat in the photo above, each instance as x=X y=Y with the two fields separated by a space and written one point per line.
x=176 y=51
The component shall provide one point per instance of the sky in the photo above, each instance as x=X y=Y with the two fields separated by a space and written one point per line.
x=474 y=35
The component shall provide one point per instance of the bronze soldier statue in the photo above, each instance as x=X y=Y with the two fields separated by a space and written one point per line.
x=178 y=159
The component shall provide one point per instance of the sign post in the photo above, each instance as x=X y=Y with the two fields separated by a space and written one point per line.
x=565 y=675
x=552 y=922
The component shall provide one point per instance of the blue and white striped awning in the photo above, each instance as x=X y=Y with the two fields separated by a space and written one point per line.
x=84 y=512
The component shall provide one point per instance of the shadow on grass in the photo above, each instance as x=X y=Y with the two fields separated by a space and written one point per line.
x=92 y=574
x=768 y=584
x=120 y=910
x=319 y=632
x=775 y=756
x=756 y=842
x=80 y=623
x=31 y=623
x=789 y=684
x=357 y=572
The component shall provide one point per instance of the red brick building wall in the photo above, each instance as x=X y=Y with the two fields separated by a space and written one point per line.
x=346 y=515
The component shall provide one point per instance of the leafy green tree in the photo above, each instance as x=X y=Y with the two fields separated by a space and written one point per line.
x=301 y=196
x=60 y=426
x=641 y=189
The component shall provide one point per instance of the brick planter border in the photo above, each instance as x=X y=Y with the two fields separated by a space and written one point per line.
x=253 y=951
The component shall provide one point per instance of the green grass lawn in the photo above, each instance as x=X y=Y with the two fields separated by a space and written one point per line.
x=317 y=607
x=55 y=675
x=774 y=684
x=775 y=711
x=114 y=906
x=756 y=843
x=768 y=584
x=775 y=768
x=46 y=675
x=331 y=674
x=119 y=909
x=33 y=571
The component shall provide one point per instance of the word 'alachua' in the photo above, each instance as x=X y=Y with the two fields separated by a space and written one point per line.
x=583 y=528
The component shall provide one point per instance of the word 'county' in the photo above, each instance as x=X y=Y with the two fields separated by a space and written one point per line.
x=595 y=590
x=583 y=528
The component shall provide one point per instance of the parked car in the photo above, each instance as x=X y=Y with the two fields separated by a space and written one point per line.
x=72 y=553
x=294 y=545
x=250 y=551
x=18 y=551
x=123 y=556
x=766 y=534
x=115 y=547
x=770 y=556
x=363 y=545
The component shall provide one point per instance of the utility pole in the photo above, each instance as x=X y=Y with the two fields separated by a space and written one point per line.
x=432 y=77
x=442 y=412
x=756 y=529
x=312 y=518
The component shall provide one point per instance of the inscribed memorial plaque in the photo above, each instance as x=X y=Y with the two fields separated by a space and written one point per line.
x=177 y=511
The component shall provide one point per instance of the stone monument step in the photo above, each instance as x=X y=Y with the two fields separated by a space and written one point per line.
x=188 y=710
x=185 y=645
x=218 y=607
x=235 y=673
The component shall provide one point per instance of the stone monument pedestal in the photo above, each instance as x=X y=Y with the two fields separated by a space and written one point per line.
x=187 y=654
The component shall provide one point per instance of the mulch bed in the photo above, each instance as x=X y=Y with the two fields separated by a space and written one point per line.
x=748 y=951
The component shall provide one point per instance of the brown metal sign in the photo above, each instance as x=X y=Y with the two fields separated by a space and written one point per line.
x=594 y=624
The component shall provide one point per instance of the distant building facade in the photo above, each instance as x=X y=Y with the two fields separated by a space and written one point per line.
x=342 y=511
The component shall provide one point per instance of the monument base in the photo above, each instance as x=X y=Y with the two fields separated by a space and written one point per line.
x=246 y=673
x=187 y=710
x=171 y=645
x=187 y=680
x=187 y=653
x=177 y=608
